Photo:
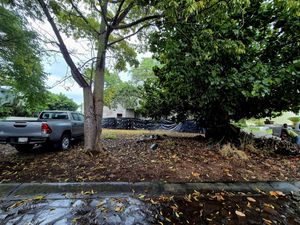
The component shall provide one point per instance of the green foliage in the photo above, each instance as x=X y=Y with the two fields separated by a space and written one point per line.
x=241 y=123
x=51 y=101
x=20 y=64
x=144 y=71
x=14 y=109
x=231 y=61
x=118 y=92
x=294 y=119
x=59 y=102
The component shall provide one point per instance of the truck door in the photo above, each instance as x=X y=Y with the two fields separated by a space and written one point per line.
x=76 y=125
x=81 y=128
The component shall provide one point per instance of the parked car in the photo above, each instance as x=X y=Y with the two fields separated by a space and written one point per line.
x=51 y=127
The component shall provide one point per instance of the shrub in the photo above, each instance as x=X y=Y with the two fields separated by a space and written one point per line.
x=294 y=119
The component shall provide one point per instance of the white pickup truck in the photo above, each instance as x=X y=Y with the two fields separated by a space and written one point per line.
x=54 y=127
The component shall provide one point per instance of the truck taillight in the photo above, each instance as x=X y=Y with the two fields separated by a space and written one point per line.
x=46 y=129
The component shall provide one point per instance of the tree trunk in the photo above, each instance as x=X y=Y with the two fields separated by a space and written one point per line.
x=99 y=102
x=98 y=95
x=90 y=132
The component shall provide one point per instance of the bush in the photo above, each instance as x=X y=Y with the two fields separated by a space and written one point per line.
x=294 y=119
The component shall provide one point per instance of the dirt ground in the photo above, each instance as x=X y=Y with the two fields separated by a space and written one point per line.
x=178 y=158
x=228 y=208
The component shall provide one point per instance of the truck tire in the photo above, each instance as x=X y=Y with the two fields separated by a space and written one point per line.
x=23 y=148
x=65 y=141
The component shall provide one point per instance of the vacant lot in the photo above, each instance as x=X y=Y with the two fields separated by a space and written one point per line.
x=178 y=157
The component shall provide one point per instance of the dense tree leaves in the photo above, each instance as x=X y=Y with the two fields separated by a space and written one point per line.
x=235 y=60
x=60 y=102
x=144 y=71
x=20 y=65
x=51 y=101
x=119 y=92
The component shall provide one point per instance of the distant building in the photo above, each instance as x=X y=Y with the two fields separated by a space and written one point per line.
x=119 y=112
x=7 y=97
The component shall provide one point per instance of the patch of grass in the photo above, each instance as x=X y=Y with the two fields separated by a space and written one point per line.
x=229 y=150
x=170 y=143
x=110 y=136
x=269 y=131
x=251 y=129
x=146 y=132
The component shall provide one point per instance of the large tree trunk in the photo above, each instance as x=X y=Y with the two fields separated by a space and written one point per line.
x=99 y=101
x=90 y=131
x=98 y=95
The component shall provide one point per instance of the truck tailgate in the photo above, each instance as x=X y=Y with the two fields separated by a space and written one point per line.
x=20 y=128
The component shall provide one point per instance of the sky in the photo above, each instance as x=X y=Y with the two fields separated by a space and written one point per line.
x=57 y=70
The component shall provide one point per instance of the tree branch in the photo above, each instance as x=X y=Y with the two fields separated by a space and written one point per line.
x=75 y=72
x=137 y=22
x=120 y=17
x=104 y=14
x=82 y=16
x=118 y=12
x=86 y=62
x=128 y=36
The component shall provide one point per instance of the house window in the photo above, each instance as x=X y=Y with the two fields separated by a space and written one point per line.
x=119 y=115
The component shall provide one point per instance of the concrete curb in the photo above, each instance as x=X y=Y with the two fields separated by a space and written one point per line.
x=150 y=188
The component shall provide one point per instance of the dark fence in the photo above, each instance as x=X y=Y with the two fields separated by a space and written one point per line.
x=137 y=124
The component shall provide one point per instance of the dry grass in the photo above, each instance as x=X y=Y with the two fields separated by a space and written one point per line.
x=231 y=151
x=252 y=148
x=116 y=132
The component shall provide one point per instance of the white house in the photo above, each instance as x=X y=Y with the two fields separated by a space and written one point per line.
x=119 y=112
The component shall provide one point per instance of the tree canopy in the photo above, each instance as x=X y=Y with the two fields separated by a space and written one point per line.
x=144 y=71
x=59 y=102
x=20 y=63
x=119 y=92
x=238 y=59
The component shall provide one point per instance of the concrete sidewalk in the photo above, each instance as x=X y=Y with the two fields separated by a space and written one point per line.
x=106 y=203
x=12 y=191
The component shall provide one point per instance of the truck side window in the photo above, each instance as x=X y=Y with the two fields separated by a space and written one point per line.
x=75 y=116
x=81 y=117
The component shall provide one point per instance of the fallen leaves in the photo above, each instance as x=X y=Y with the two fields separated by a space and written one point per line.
x=119 y=209
x=276 y=194
x=128 y=160
x=188 y=198
x=218 y=196
x=195 y=174
x=214 y=207
x=91 y=192
x=39 y=197
x=239 y=213
x=141 y=196
x=25 y=201
x=269 y=205
x=267 y=222
x=250 y=199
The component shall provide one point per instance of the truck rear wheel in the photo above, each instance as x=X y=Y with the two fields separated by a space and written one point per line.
x=24 y=148
x=65 y=141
